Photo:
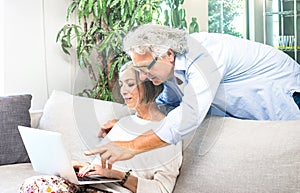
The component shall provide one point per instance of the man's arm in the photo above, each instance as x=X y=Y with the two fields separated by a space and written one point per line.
x=148 y=141
x=124 y=150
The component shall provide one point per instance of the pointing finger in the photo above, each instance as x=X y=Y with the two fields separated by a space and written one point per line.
x=93 y=152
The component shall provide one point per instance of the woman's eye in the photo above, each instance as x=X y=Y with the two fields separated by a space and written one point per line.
x=131 y=84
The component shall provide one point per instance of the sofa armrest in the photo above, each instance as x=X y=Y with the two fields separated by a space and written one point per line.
x=35 y=118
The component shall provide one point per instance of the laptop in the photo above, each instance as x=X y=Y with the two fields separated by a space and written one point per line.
x=48 y=155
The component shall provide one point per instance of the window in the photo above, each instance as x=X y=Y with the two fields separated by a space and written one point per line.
x=228 y=16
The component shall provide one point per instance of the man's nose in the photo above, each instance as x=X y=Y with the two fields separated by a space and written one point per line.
x=143 y=76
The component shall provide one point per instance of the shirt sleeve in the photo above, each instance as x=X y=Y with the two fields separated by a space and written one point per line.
x=164 y=178
x=203 y=78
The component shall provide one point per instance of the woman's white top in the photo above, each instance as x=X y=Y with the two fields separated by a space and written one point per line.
x=157 y=169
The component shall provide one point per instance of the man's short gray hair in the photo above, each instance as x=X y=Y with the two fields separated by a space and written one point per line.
x=155 y=39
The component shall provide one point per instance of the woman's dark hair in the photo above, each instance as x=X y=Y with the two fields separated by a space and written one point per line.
x=151 y=91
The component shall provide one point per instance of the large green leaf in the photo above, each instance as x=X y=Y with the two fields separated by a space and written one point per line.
x=90 y=6
x=97 y=9
x=71 y=9
x=114 y=3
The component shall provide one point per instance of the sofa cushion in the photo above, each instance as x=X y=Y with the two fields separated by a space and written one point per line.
x=13 y=175
x=242 y=156
x=79 y=120
x=14 y=111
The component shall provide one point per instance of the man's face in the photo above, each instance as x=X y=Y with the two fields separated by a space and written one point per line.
x=161 y=69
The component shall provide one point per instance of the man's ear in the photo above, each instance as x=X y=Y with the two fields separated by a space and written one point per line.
x=171 y=55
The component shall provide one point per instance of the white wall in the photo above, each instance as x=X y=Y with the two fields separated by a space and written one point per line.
x=24 y=62
x=198 y=9
x=33 y=62
x=30 y=59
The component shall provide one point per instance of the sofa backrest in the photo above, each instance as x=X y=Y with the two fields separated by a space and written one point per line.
x=35 y=117
x=242 y=156
x=79 y=119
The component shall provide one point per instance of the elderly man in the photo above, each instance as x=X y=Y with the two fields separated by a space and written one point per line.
x=239 y=78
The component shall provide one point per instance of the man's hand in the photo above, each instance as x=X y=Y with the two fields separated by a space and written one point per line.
x=114 y=151
x=124 y=150
x=107 y=127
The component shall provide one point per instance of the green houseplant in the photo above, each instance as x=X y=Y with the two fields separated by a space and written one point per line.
x=97 y=36
x=101 y=26
x=175 y=15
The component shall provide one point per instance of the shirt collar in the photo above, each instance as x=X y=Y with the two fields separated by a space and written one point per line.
x=180 y=62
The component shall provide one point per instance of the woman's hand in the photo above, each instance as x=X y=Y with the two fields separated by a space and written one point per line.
x=98 y=170
x=104 y=130
x=79 y=164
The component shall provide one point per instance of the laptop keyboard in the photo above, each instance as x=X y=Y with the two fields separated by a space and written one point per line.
x=90 y=189
x=90 y=178
x=85 y=178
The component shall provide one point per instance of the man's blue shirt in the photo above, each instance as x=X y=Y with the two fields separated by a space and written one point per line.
x=240 y=78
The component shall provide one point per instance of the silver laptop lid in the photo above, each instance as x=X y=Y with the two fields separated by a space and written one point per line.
x=48 y=154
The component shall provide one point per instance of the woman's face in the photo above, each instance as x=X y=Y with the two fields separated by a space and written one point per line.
x=129 y=88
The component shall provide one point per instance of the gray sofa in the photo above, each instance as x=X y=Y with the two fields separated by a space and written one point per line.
x=12 y=175
x=223 y=155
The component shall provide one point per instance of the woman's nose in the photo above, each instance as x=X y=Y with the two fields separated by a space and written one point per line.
x=123 y=91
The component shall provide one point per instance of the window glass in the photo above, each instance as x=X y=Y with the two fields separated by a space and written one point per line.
x=227 y=16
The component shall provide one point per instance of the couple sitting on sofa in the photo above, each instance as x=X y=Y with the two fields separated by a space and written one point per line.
x=153 y=171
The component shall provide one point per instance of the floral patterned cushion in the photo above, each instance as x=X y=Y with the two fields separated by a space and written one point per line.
x=55 y=184
x=45 y=183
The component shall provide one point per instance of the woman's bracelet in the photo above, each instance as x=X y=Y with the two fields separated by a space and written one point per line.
x=127 y=174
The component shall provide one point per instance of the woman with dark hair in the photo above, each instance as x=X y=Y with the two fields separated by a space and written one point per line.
x=153 y=171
